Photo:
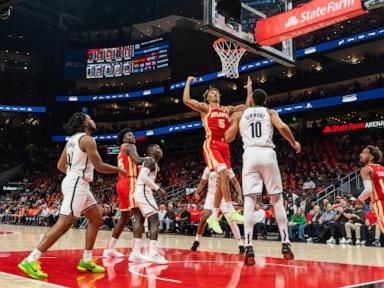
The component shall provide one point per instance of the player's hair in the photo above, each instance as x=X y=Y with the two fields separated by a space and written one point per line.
x=121 y=135
x=376 y=153
x=76 y=123
x=206 y=92
x=259 y=97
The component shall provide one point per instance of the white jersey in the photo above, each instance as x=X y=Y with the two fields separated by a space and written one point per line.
x=211 y=177
x=256 y=128
x=78 y=163
x=152 y=175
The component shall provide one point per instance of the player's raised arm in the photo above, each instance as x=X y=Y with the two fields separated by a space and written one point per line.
x=231 y=133
x=192 y=103
x=131 y=151
x=365 y=174
x=62 y=163
x=89 y=145
x=284 y=130
x=242 y=107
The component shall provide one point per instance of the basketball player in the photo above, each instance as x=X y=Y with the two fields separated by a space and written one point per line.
x=260 y=166
x=78 y=160
x=215 y=149
x=147 y=205
x=211 y=177
x=372 y=175
x=129 y=160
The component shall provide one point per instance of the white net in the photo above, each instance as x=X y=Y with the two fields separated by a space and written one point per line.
x=230 y=54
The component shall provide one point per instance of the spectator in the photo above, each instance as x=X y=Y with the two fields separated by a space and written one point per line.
x=314 y=226
x=170 y=219
x=184 y=221
x=162 y=219
x=337 y=227
x=371 y=226
x=297 y=225
x=356 y=223
x=309 y=186
x=326 y=218
x=259 y=221
x=290 y=208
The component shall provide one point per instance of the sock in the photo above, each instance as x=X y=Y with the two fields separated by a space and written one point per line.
x=236 y=232
x=34 y=256
x=249 y=208
x=281 y=217
x=112 y=243
x=152 y=246
x=136 y=245
x=215 y=213
x=87 y=256
x=198 y=237
x=229 y=206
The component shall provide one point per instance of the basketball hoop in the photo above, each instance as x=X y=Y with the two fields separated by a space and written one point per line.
x=230 y=54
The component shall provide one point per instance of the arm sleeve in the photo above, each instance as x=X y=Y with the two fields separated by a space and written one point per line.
x=144 y=177
x=367 y=190
x=205 y=174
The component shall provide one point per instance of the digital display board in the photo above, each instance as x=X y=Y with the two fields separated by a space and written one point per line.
x=126 y=60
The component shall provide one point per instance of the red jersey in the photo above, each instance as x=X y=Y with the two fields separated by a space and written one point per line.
x=377 y=181
x=125 y=162
x=216 y=122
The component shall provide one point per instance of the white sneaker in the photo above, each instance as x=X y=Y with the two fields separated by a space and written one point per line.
x=331 y=241
x=309 y=240
x=349 y=242
x=343 y=241
x=112 y=253
x=135 y=257
x=358 y=242
x=362 y=243
x=157 y=258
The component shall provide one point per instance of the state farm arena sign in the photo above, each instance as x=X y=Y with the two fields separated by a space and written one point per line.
x=353 y=126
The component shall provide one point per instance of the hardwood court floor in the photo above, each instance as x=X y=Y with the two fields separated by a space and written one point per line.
x=215 y=265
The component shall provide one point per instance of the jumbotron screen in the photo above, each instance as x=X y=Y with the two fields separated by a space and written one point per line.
x=126 y=60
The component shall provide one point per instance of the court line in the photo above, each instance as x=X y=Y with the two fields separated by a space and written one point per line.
x=361 y=284
x=235 y=262
x=153 y=277
x=19 y=280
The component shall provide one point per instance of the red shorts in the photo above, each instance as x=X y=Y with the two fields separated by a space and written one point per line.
x=216 y=153
x=379 y=211
x=125 y=189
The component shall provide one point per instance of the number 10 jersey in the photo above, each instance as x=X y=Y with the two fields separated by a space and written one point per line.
x=256 y=128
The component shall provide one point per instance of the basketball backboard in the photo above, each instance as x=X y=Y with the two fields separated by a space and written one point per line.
x=243 y=30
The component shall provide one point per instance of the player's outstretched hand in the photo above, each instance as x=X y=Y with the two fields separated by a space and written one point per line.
x=191 y=78
x=297 y=147
x=123 y=172
x=162 y=193
x=249 y=83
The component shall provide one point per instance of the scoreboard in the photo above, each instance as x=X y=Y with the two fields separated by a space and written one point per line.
x=126 y=60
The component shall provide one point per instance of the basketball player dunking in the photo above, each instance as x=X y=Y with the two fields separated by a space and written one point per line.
x=211 y=177
x=260 y=166
x=129 y=160
x=372 y=175
x=78 y=161
x=215 y=149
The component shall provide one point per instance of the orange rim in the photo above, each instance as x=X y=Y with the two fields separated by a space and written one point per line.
x=222 y=40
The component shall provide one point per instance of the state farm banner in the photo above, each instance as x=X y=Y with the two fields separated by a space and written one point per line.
x=304 y=19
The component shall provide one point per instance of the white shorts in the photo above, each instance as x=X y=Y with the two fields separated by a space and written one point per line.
x=77 y=196
x=209 y=203
x=260 y=167
x=145 y=201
